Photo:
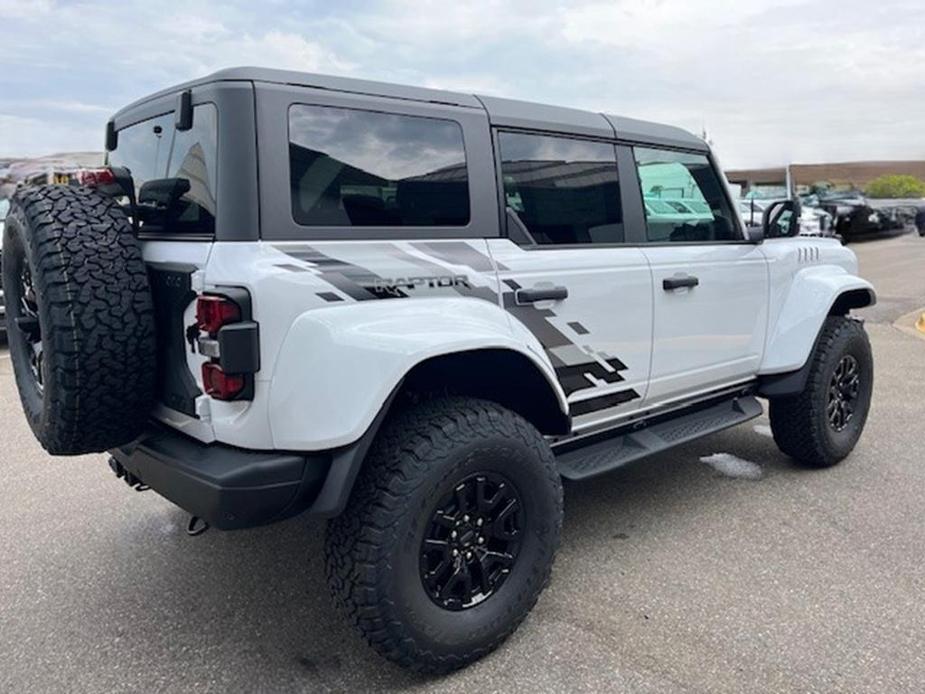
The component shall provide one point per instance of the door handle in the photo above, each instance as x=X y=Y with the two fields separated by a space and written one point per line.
x=669 y=284
x=528 y=296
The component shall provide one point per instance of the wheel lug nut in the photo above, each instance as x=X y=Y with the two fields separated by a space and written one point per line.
x=468 y=555
x=481 y=539
x=465 y=519
x=455 y=552
x=453 y=534
x=479 y=522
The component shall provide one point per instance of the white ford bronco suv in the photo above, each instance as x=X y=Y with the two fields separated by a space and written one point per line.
x=414 y=312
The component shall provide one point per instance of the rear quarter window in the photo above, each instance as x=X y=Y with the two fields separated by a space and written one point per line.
x=349 y=167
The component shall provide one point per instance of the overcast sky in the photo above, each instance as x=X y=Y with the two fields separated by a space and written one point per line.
x=772 y=82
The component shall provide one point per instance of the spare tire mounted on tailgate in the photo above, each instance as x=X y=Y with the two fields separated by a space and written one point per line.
x=80 y=318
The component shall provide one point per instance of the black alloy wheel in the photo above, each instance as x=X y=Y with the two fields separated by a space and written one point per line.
x=843 y=392
x=472 y=541
x=25 y=321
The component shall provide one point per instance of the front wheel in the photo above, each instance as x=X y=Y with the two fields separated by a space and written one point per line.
x=450 y=534
x=820 y=426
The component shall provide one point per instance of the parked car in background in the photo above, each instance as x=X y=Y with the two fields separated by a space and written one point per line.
x=816 y=222
x=813 y=220
x=660 y=211
x=4 y=208
x=855 y=216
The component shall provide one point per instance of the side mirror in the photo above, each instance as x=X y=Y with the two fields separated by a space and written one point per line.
x=781 y=218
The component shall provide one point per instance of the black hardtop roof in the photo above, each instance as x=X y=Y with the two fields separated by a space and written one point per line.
x=501 y=112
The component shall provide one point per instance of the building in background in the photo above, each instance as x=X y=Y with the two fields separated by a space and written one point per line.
x=773 y=183
x=54 y=168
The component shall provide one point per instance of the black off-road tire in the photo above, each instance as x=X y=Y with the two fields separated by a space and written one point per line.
x=373 y=550
x=88 y=289
x=800 y=423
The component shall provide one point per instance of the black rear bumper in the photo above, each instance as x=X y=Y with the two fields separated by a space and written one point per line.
x=225 y=486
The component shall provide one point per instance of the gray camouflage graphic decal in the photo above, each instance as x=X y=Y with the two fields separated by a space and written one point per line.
x=578 y=368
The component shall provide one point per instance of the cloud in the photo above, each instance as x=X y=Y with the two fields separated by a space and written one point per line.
x=288 y=51
x=772 y=82
x=53 y=105
x=36 y=137
x=18 y=9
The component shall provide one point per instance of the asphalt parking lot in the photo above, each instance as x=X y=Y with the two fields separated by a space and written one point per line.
x=672 y=575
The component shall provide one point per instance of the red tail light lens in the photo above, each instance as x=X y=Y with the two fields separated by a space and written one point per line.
x=220 y=385
x=212 y=312
x=95 y=177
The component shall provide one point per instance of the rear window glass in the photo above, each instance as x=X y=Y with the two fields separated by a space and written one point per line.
x=362 y=168
x=564 y=191
x=174 y=171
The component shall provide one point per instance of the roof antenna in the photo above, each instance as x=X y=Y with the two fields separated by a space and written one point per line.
x=703 y=133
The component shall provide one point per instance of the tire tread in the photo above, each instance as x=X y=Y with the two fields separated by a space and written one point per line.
x=97 y=319
x=409 y=452
x=798 y=421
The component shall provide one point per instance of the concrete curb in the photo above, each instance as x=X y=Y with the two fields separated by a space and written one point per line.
x=912 y=324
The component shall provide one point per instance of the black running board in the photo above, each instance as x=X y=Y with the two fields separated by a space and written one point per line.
x=625 y=446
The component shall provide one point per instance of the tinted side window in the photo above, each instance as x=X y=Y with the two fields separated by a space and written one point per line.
x=157 y=154
x=565 y=191
x=684 y=198
x=363 y=168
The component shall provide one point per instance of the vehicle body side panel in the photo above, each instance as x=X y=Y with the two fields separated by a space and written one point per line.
x=807 y=276
x=341 y=323
x=338 y=365
x=599 y=337
x=713 y=334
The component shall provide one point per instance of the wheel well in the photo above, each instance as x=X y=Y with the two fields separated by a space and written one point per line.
x=854 y=298
x=501 y=375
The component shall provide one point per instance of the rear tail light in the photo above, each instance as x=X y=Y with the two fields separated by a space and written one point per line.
x=220 y=385
x=212 y=312
x=228 y=337
x=94 y=178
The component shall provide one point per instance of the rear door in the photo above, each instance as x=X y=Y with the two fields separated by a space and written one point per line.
x=710 y=284
x=567 y=272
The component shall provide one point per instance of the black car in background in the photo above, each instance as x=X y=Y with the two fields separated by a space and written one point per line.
x=856 y=216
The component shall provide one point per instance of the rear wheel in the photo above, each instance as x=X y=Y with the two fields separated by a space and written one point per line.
x=820 y=426
x=450 y=533
x=80 y=319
